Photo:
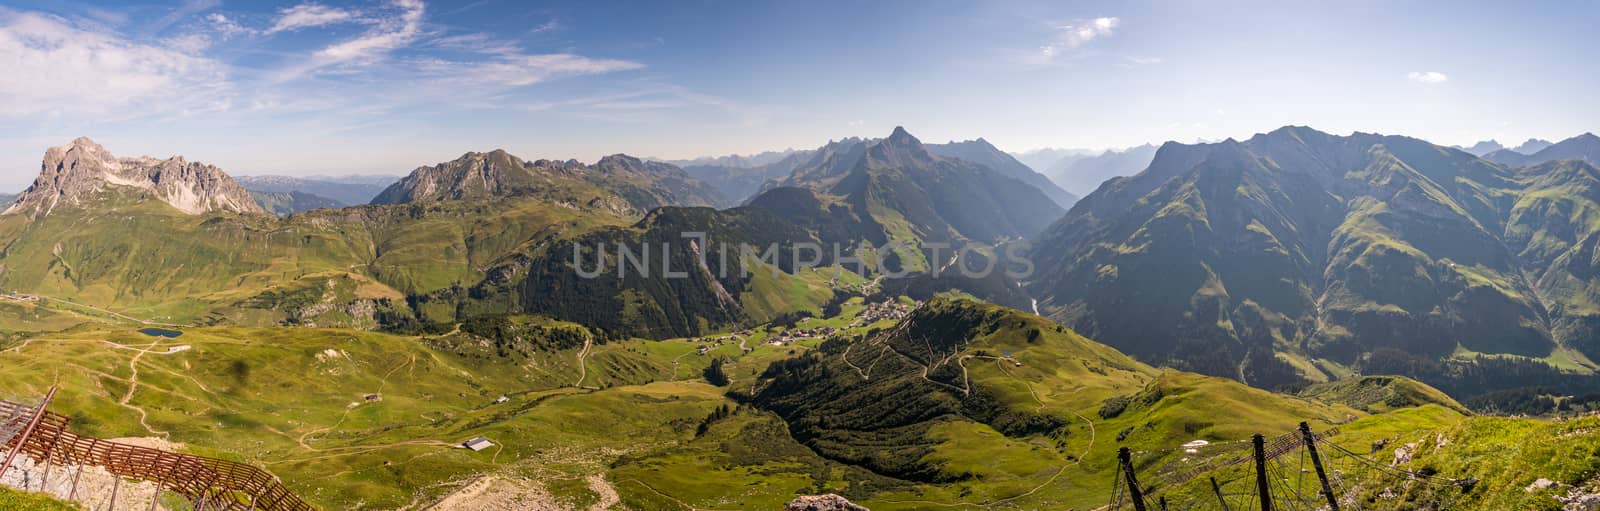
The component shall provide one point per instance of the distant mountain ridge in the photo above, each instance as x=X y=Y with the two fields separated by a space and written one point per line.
x=981 y=152
x=1041 y=160
x=897 y=181
x=1083 y=174
x=621 y=182
x=1533 y=145
x=1584 y=147
x=346 y=190
x=81 y=173
x=1483 y=147
x=738 y=184
x=732 y=160
x=288 y=203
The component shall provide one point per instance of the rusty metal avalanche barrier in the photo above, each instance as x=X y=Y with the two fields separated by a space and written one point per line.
x=208 y=483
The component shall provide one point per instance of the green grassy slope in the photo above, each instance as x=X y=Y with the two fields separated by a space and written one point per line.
x=17 y=500
x=1039 y=427
x=396 y=266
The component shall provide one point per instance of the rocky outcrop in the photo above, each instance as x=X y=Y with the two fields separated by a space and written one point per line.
x=829 y=502
x=83 y=172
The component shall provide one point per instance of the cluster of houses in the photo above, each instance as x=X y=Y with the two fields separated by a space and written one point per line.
x=872 y=313
x=875 y=312
x=799 y=334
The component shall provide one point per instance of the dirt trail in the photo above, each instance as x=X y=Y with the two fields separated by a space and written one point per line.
x=608 y=494
x=493 y=493
x=133 y=384
x=583 y=369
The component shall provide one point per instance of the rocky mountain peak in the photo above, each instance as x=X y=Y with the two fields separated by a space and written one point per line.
x=83 y=172
x=901 y=149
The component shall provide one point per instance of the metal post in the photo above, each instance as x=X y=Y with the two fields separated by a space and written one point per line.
x=73 y=493
x=1163 y=502
x=49 y=459
x=1261 y=471
x=115 y=485
x=157 y=496
x=1217 y=489
x=1316 y=461
x=1125 y=456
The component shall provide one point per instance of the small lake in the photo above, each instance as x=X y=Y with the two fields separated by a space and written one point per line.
x=160 y=332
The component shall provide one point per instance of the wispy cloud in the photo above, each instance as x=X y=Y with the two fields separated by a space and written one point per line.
x=475 y=43
x=1073 y=35
x=309 y=15
x=395 y=28
x=1134 y=61
x=546 y=27
x=184 y=10
x=389 y=34
x=56 y=68
x=226 y=26
x=1065 y=40
x=517 y=70
x=1428 y=77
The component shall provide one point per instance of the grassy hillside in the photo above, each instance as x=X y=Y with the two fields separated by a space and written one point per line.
x=395 y=266
x=1381 y=394
x=1033 y=421
x=17 y=500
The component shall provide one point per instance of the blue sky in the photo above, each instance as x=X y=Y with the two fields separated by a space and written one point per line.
x=384 y=86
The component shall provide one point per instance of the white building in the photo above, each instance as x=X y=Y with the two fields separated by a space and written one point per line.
x=478 y=443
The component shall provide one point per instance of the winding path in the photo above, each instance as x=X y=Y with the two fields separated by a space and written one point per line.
x=583 y=368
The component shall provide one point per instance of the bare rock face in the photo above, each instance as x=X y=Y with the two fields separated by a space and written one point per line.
x=829 y=502
x=79 y=173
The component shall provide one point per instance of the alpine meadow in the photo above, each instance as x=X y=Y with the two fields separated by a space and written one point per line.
x=800 y=256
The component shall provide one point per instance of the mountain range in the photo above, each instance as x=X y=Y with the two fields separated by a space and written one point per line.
x=1084 y=173
x=619 y=181
x=896 y=191
x=342 y=190
x=983 y=153
x=459 y=304
x=743 y=161
x=288 y=203
x=1584 y=147
x=1294 y=256
x=739 y=179
x=1482 y=147
x=1298 y=255
x=1040 y=160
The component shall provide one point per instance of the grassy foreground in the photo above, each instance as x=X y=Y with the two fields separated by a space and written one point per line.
x=360 y=420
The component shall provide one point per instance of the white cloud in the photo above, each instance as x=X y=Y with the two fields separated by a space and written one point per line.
x=53 y=67
x=390 y=34
x=546 y=27
x=1428 y=77
x=1074 y=35
x=309 y=15
x=517 y=70
x=477 y=43
x=226 y=27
